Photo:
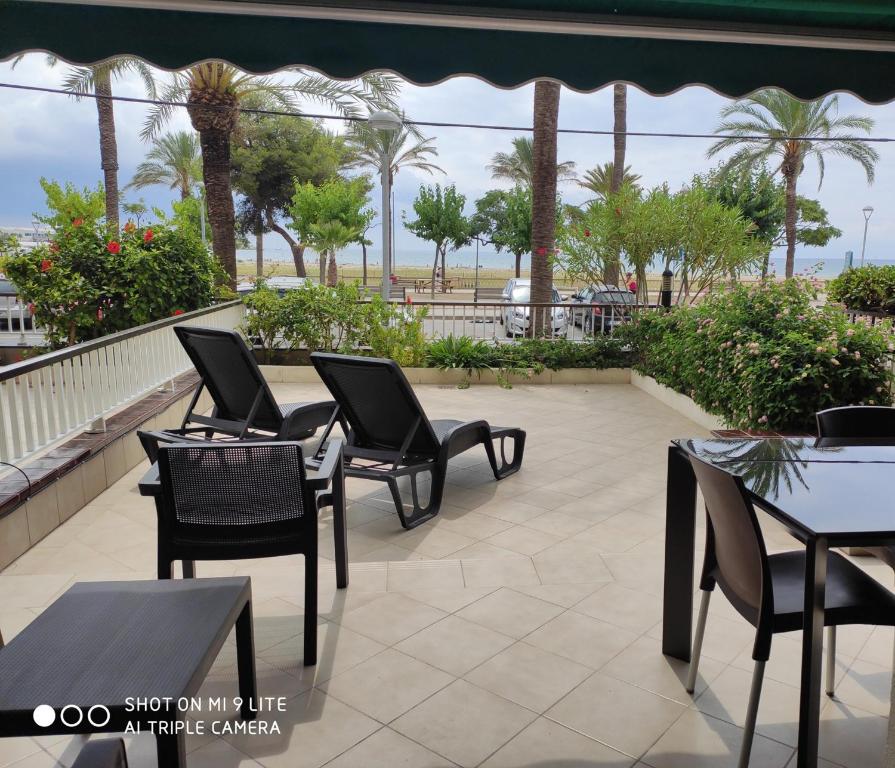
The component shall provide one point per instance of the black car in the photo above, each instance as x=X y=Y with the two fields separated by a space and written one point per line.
x=611 y=307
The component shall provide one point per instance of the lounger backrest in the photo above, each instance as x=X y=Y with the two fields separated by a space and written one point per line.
x=231 y=375
x=378 y=401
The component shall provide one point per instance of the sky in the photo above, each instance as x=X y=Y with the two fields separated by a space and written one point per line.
x=56 y=137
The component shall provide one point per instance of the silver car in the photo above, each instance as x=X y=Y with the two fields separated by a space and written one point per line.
x=517 y=319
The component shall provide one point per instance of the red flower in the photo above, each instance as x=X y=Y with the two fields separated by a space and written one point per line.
x=177 y=312
x=148 y=235
x=77 y=222
x=587 y=233
x=114 y=247
x=31 y=308
x=46 y=265
x=99 y=314
x=130 y=227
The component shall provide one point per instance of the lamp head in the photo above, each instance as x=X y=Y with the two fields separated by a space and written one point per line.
x=383 y=120
x=868 y=211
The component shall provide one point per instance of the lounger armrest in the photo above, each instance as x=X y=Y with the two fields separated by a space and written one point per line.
x=322 y=470
x=462 y=437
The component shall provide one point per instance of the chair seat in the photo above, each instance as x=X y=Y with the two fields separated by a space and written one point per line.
x=852 y=597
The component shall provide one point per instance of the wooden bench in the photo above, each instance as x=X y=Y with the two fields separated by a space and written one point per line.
x=445 y=285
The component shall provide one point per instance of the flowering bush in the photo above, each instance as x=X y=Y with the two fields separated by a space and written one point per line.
x=763 y=357
x=87 y=282
x=865 y=288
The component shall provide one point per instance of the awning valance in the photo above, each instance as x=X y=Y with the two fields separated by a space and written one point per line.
x=808 y=47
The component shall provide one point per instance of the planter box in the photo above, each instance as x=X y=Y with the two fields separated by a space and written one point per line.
x=676 y=401
x=305 y=374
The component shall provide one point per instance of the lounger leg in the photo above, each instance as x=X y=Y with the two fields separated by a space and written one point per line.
x=697 y=640
x=505 y=467
x=751 y=714
x=420 y=514
x=310 y=650
x=831 y=661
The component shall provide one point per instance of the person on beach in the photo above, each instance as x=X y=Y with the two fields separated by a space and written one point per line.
x=631 y=283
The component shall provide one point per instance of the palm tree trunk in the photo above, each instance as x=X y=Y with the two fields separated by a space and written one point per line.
x=790 y=179
x=298 y=250
x=321 y=266
x=518 y=265
x=543 y=207
x=219 y=196
x=259 y=251
x=620 y=145
x=108 y=146
x=332 y=272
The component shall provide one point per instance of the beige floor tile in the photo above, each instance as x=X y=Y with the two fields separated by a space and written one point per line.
x=454 y=645
x=700 y=741
x=557 y=523
x=499 y=572
x=481 y=550
x=13 y=750
x=529 y=676
x=620 y=715
x=468 y=523
x=434 y=541
x=391 y=618
x=387 y=685
x=449 y=600
x=464 y=723
x=428 y=574
x=570 y=562
x=565 y=595
x=388 y=749
x=525 y=541
x=315 y=729
x=220 y=754
x=582 y=639
x=37 y=760
x=510 y=612
x=545 y=743
x=866 y=686
x=629 y=608
x=850 y=736
x=511 y=510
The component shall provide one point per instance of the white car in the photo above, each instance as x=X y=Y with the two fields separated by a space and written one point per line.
x=516 y=319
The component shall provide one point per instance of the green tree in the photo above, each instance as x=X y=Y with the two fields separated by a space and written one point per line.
x=270 y=153
x=215 y=91
x=344 y=201
x=440 y=220
x=518 y=166
x=174 y=160
x=599 y=179
x=772 y=124
x=503 y=219
x=401 y=149
x=329 y=237
x=97 y=80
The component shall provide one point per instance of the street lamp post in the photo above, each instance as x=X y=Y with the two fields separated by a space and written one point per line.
x=390 y=123
x=868 y=212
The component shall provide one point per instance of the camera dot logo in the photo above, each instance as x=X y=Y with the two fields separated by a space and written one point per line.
x=44 y=715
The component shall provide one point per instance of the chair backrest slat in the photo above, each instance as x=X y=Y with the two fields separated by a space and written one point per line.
x=234 y=484
x=857 y=421
x=231 y=375
x=378 y=402
x=738 y=545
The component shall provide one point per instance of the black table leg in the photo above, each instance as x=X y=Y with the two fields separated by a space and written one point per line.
x=245 y=663
x=340 y=527
x=680 y=535
x=171 y=750
x=812 y=650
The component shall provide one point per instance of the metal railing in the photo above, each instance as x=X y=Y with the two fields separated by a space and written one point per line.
x=503 y=321
x=52 y=396
x=17 y=326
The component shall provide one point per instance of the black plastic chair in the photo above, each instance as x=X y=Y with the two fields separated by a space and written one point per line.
x=229 y=501
x=105 y=753
x=769 y=590
x=244 y=406
x=855 y=424
x=389 y=435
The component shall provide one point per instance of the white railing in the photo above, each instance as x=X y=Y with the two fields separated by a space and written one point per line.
x=496 y=321
x=17 y=326
x=50 y=397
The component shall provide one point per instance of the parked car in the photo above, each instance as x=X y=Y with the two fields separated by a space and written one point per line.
x=614 y=307
x=516 y=320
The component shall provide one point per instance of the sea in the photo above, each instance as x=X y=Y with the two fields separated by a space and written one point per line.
x=491 y=260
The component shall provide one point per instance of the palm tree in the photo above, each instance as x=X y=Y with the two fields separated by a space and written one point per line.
x=518 y=166
x=328 y=238
x=214 y=92
x=402 y=149
x=771 y=123
x=599 y=179
x=174 y=161
x=97 y=80
x=544 y=173
x=619 y=135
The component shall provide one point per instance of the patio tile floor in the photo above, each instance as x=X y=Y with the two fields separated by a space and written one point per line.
x=519 y=629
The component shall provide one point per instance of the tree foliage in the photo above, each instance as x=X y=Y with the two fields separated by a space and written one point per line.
x=518 y=166
x=441 y=221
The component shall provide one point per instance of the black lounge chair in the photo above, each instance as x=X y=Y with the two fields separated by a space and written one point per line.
x=389 y=435
x=244 y=406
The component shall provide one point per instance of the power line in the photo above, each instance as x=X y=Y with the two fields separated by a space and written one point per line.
x=439 y=124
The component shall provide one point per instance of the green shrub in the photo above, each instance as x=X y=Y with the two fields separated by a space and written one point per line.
x=763 y=357
x=600 y=352
x=320 y=318
x=395 y=331
x=453 y=352
x=865 y=288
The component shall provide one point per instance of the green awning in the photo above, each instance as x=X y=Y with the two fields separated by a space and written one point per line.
x=808 y=47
